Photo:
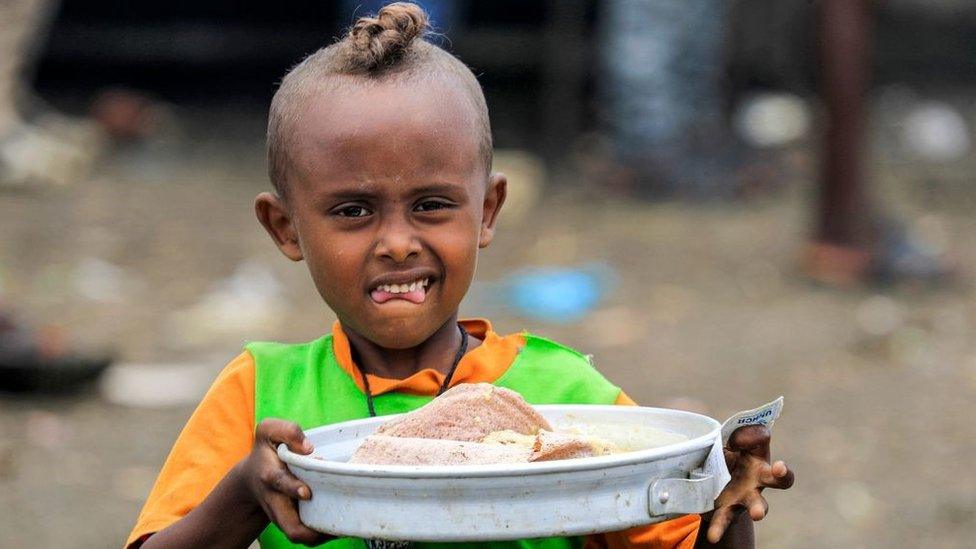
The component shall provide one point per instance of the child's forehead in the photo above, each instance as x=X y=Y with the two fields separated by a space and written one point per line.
x=355 y=108
x=399 y=123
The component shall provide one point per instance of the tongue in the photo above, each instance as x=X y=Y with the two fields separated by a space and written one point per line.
x=415 y=296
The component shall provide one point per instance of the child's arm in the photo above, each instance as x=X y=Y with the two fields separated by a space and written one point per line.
x=258 y=489
x=226 y=518
x=747 y=456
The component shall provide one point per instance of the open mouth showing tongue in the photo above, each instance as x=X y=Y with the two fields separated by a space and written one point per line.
x=414 y=292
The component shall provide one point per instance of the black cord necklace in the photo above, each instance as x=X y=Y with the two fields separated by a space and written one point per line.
x=463 y=348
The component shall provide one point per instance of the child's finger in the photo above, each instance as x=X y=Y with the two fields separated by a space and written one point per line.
x=753 y=439
x=720 y=522
x=280 y=480
x=758 y=507
x=778 y=475
x=277 y=431
x=285 y=515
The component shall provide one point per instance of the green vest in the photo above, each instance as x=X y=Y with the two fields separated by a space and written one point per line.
x=304 y=383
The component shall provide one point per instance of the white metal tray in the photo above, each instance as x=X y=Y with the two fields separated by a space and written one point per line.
x=510 y=501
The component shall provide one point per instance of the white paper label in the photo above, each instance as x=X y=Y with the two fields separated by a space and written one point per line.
x=763 y=415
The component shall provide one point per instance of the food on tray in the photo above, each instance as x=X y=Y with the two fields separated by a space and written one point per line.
x=475 y=424
x=469 y=412
x=550 y=446
x=381 y=449
x=627 y=437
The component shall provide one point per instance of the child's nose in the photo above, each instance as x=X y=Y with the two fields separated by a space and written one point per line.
x=397 y=242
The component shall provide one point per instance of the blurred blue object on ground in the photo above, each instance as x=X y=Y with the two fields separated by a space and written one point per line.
x=559 y=295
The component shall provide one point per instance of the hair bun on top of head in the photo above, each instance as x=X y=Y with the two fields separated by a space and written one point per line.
x=380 y=41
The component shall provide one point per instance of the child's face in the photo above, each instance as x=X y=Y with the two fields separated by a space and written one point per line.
x=388 y=203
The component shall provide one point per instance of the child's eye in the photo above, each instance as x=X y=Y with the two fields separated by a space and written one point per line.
x=352 y=211
x=431 y=205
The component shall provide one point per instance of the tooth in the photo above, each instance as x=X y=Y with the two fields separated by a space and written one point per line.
x=394 y=289
x=426 y=282
x=413 y=286
x=403 y=288
x=385 y=288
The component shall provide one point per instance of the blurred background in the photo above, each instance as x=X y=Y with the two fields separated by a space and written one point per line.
x=722 y=201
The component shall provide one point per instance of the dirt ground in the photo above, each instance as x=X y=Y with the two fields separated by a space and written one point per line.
x=707 y=311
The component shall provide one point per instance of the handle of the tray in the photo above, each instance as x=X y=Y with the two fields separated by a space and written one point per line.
x=682 y=496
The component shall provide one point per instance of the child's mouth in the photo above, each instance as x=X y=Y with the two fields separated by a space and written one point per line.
x=414 y=292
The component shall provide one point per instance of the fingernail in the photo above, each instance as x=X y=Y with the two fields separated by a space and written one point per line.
x=303 y=493
x=307 y=446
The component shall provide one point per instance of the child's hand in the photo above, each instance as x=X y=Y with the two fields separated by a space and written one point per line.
x=270 y=483
x=747 y=456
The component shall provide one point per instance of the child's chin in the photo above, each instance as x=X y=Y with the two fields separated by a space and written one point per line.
x=403 y=331
x=402 y=340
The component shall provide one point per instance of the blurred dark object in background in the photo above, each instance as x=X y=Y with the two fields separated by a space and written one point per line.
x=854 y=241
x=127 y=115
x=39 y=361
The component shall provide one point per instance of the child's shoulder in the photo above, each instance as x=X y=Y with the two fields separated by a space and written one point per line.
x=547 y=371
x=276 y=350
x=549 y=346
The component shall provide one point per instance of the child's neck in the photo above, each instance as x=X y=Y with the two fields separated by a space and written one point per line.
x=437 y=353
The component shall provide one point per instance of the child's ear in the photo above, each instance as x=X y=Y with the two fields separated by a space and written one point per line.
x=276 y=218
x=494 y=199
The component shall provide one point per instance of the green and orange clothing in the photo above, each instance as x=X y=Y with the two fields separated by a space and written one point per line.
x=221 y=431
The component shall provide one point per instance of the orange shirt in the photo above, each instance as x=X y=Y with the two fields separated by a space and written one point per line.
x=220 y=433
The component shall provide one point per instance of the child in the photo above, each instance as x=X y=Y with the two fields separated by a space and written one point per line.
x=380 y=150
